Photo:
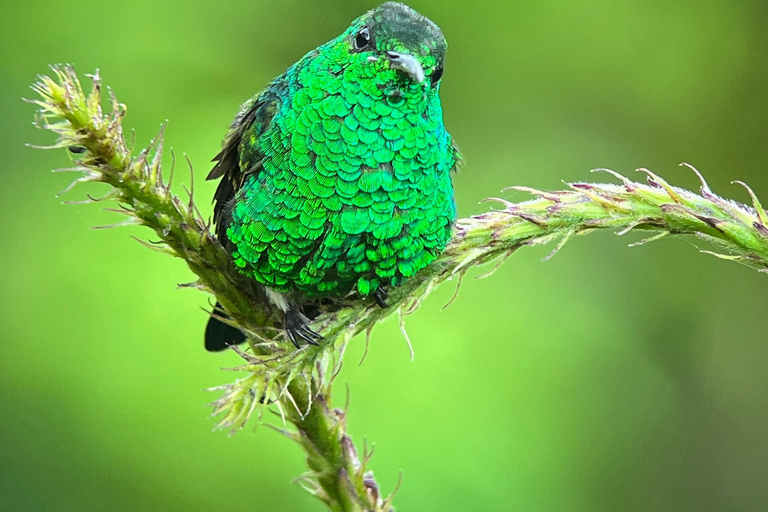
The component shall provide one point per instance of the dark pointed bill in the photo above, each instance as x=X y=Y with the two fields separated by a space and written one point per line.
x=406 y=63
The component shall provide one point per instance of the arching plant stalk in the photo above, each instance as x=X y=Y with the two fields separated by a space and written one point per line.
x=297 y=383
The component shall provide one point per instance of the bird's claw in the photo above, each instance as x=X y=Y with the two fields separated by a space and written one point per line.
x=297 y=328
x=381 y=296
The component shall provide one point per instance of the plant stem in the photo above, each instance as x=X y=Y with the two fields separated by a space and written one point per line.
x=298 y=382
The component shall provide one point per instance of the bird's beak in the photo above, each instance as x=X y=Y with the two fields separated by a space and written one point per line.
x=406 y=63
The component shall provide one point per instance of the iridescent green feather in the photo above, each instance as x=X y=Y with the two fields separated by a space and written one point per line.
x=347 y=185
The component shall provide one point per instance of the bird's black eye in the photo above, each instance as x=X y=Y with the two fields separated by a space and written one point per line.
x=437 y=74
x=362 y=39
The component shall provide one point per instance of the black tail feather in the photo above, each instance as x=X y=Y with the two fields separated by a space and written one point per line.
x=219 y=335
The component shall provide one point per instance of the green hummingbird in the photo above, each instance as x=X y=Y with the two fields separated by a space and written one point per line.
x=336 y=179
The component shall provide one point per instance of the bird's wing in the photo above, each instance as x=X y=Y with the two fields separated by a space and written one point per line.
x=232 y=164
x=458 y=158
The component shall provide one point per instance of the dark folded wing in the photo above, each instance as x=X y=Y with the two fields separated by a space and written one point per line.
x=254 y=119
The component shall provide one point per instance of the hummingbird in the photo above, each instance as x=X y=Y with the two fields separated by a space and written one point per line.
x=336 y=179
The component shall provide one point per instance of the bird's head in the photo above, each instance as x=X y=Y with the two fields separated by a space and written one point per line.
x=394 y=43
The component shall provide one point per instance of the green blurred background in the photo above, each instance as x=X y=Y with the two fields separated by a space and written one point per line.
x=605 y=379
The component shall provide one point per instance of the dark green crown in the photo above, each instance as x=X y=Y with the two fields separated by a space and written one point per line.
x=396 y=21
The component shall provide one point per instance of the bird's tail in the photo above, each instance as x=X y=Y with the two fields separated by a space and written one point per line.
x=220 y=335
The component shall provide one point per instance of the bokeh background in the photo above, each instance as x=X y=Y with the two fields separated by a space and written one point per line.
x=604 y=379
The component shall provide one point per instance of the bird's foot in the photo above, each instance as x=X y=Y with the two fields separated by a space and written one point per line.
x=381 y=297
x=296 y=326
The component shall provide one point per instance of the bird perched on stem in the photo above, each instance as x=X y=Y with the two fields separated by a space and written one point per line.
x=336 y=178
